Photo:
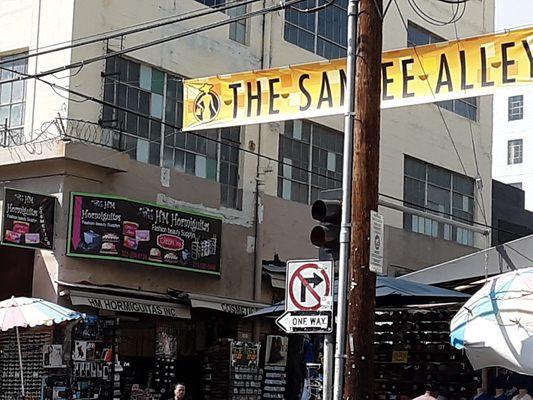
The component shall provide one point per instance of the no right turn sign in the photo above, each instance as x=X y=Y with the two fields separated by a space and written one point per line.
x=308 y=297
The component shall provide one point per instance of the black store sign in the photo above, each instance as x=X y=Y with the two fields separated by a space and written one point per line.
x=28 y=219
x=109 y=227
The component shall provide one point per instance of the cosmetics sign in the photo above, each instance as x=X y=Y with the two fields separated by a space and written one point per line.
x=116 y=228
x=28 y=219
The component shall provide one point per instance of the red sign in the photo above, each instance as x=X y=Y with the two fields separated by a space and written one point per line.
x=170 y=242
x=308 y=285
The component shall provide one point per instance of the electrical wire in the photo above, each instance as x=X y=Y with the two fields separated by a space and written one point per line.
x=99 y=37
x=71 y=75
x=280 y=162
x=145 y=45
x=314 y=9
x=445 y=123
x=454 y=1
x=177 y=129
x=452 y=216
x=434 y=21
x=519 y=252
x=479 y=180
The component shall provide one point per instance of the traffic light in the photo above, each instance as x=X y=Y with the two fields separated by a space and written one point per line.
x=326 y=235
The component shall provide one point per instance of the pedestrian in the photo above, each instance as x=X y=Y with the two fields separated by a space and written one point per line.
x=430 y=394
x=179 y=392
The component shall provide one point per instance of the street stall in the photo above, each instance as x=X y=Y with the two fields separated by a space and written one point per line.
x=411 y=342
x=141 y=343
x=24 y=370
x=499 y=343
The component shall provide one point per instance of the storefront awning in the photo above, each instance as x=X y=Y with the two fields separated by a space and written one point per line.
x=276 y=271
x=506 y=257
x=224 y=304
x=390 y=292
x=111 y=299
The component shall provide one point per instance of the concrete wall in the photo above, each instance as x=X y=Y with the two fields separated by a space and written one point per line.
x=287 y=228
x=61 y=171
x=416 y=131
x=32 y=24
x=404 y=251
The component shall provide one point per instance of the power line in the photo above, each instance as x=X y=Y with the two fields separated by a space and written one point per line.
x=314 y=9
x=455 y=217
x=479 y=183
x=189 y=32
x=446 y=127
x=434 y=21
x=178 y=129
x=91 y=39
x=454 y=1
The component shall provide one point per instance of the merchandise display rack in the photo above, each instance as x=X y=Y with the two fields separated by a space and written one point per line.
x=223 y=378
x=412 y=349
x=32 y=342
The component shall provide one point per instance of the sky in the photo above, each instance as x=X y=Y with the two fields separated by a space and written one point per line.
x=513 y=13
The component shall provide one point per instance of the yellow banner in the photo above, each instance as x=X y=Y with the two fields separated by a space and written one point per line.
x=468 y=67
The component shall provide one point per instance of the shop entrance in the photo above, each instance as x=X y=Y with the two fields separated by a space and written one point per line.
x=16 y=265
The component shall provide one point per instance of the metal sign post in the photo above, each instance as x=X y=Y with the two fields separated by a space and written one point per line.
x=344 y=240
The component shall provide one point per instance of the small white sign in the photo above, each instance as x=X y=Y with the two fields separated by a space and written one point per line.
x=305 y=322
x=165 y=177
x=376 y=242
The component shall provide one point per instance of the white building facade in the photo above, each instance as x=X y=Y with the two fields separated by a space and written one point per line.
x=513 y=119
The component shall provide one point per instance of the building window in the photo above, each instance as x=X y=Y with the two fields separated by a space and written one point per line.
x=323 y=32
x=444 y=193
x=159 y=96
x=305 y=146
x=515 y=151
x=466 y=107
x=12 y=101
x=418 y=36
x=516 y=107
x=238 y=31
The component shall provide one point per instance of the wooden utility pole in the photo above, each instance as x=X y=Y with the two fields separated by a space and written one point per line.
x=359 y=371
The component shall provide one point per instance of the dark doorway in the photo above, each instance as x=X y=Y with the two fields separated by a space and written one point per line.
x=16 y=271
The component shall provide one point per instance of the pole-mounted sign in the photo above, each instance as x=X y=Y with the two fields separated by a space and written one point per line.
x=308 y=297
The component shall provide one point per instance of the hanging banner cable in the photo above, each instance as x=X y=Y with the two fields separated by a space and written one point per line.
x=462 y=68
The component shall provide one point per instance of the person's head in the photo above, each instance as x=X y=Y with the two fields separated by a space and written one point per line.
x=179 y=391
x=432 y=390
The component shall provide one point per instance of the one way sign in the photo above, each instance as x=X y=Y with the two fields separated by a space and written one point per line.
x=308 y=297
x=303 y=321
